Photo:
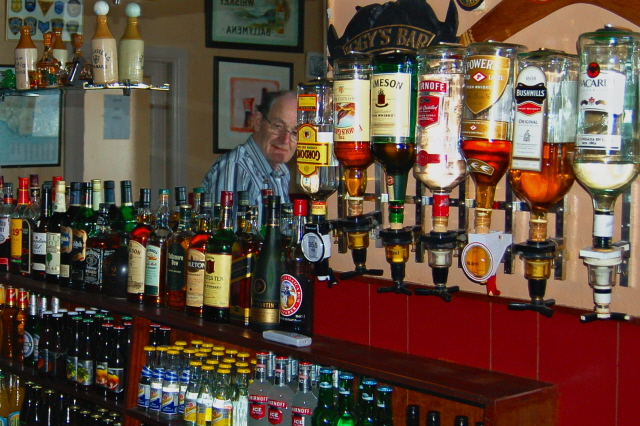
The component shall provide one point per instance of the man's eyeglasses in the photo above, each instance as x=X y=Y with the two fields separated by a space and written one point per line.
x=280 y=130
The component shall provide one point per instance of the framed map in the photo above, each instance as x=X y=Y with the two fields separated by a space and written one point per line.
x=42 y=16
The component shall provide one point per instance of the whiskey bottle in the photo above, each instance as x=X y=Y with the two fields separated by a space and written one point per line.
x=177 y=248
x=180 y=200
x=196 y=260
x=6 y=210
x=84 y=227
x=98 y=249
x=218 y=260
x=39 y=239
x=131 y=49
x=127 y=220
x=25 y=59
x=17 y=216
x=67 y=251
x=115 y=270
x=29 y=223
x=104 y=50
x=265 y=285
x=54 y=242
x=137 y=249
x=155 y=269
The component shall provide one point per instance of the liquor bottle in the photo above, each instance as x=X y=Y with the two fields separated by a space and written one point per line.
x=264 y=194
x=86 y=358
x=32 y=333
x=110 y=199
x=191 y=394
x=19 y=323
x=181 y=200
x=96 y=195
x=104 y=49
x=8 y=348
x=67 y=251
x=137 y=249
x=25 y=59
x=433 y=418
x=48 y=67
x=393 y=107
x=352 y=103
x=177 y=261
x=99 y=248
x=286 y=224
x=487 y=119
x=245 y=256
x=131 y=48
x=265 y=286
x=385 y=408
x=218 y=260
x=127 y=220
x=39 y=239
x=155 y=267
x=16 y=226
x=59 y=48
x=85 y=226
x=5 y=227
x=74 y=350
x=258 y=391
x=366 y=408
x=196 y=206
x=280 y=396
x=297 y=280
x=304 y=401
x=54 y=242
x=34 y=198
x=78 y=69
x=344 y=410
x=196 y=260
x=117 y=367
x=204 y=404
x=144 y=382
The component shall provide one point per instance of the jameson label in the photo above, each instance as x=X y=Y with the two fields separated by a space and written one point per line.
x=486 y=78
x=52 y=264
x=315 y=149
x=79 y=245
x=175 y=267
x=137 y=255
x=351 y=102
x=601 y=95
x=391 y=104
x=290 y=295
x=25 y=263
x=531 y=97
x=152 y=270
x=217 y=280
x=195 y=278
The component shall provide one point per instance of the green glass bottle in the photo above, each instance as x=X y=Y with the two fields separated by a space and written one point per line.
x=84 y=226
x=344 y=410
x=385 y=412
x=366 y=405
x=128 y=217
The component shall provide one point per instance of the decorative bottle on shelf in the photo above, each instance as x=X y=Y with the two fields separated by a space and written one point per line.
x=104 y=49
x=137 y=248
x=131 y=48
x=52 y=265
x=78 y=69
x=265 y=287
x=59 y=48
x=25 y=59
x=48 y=66
x=155 y=270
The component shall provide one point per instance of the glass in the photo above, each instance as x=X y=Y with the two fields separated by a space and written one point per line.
x=280 y=130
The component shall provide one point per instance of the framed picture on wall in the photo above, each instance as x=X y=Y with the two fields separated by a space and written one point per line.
x=255 y=25
x=43 y=16
x=238 y=85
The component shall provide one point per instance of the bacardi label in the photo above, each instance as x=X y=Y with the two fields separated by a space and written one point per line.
x=290 y=295
x=391 y=104
x=531 y=97
x=486 y=78
x=352 y=110
x=601 y=95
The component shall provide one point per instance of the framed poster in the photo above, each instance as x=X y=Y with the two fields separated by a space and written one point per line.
x=43 y=16
x=255 y=25
x=238 y=85
x=30 y=129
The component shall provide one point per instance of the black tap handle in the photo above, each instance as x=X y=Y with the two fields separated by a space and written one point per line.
x=332 y=278
x=442 y=292
x=397 y=288
x=615 y=316
x=540 y=307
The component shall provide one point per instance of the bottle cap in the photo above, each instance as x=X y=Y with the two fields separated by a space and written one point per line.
x=109 y=184
x=34 y=180
x=226 y=198
x=300 y=207
x=198 y=190
x=23 y=183
x=132 y=10
x=101 y=8
x=163 y=192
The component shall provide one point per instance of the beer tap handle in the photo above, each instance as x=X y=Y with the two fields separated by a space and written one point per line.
x=542 y=307
x=442 y=292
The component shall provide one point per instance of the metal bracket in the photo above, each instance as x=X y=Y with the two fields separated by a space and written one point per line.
x=625 y=235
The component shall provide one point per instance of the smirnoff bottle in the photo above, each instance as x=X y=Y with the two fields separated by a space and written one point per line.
x=304 y=401
x=280 y=396
x=258 y=390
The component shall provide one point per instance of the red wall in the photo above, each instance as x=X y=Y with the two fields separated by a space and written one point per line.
x=595 y=365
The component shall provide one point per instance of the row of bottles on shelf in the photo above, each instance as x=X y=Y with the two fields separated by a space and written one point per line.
x=545 y=117
x=110 y=62
x=192 y=262
x=34 y=405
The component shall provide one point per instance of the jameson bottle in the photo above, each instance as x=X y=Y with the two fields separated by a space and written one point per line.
x=39 y=239
x=194 y=298
x=218 y=258
x=155 y=270
x=25 y=58
x=85 y=226
x=265 y=287
x=104 y=50
x=54 y=243
x=393 y=117
x=297 y=280
x=138 y=249
x=177 y=248
x=17 y=227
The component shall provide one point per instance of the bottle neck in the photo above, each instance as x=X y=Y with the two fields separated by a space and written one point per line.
x=226 y=221
x=23 y=196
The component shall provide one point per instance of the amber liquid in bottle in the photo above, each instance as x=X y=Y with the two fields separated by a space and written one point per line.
x=356 y=157
x=137 y=250
x=194 y=299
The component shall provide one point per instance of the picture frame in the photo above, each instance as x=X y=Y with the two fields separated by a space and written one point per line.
x=274 y=25
x=30 y=127
x=238 y=85
x=44 y=16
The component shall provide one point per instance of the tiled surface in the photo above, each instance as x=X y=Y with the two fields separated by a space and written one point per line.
x=514 y=340
x=389 y=312
x=629 y=375
x=581 y=359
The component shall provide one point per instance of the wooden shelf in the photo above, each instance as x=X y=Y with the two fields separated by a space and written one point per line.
x=502 y=396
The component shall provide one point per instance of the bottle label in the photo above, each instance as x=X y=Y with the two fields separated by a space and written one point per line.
x=144 y=394
x=52 y=264
x=190 y=406
x=275 y=411
x=104 y=58
x=222 y=412
x=39 y=248
x=204 y=410
x=217 y=280
x=115 y=380
x=5 y=229
x=25 y=60
x=391 y=104
x=170 y=400
x=195 y=279
x=242 y=267
x=601 y=96
x=27 y=347
x=14 y=418
x=66 y=238
x=79 y=245
x=351 y=100
x=16 y=240
x=301 y=416
x=257 y=406
x=603 y=225
x=25 y=263
x=44 y=364
x=4 y=421
x=135 y=280
x=479 y=166
x=431 y=93
x=440 y=205
x=290 y=295
x=94 y=264
x=531 y=97
x=36 y=345
x=301 y=411
x=315 y=149
x=86 y=372
x=155 y=397
x=486 y=78
x=72 y=368
x=102 y=375
x=152 y=270
x=175 y=267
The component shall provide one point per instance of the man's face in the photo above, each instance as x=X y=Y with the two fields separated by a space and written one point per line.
x=276 y=148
